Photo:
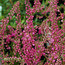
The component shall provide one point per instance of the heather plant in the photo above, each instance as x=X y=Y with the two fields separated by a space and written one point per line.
x=38 y=39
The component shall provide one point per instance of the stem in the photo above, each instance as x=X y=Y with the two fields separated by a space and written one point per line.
x=11 y=2
x=3 y=47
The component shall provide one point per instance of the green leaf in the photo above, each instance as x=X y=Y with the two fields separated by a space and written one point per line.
x=22 y=21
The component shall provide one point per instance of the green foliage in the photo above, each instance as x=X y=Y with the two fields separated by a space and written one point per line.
x=16 y=63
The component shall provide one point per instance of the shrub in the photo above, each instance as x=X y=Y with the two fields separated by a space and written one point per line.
x=40 y=40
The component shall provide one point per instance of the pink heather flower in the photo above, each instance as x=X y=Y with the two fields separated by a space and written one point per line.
x=27 y=35
x=64 y=55
x=64 y=3
x=53 y=49
x=51 y=40
x=2 y=61
x=53 y=61
x=50 y=59
x=43 y=53
x=63 y=60
x=33 y=44
x=20 y=33
x=39 y=31
x=55 y=57
x=9 y=48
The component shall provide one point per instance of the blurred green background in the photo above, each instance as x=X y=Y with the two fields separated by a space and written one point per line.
x=8 y=4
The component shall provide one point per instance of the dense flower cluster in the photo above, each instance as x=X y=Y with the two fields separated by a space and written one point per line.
x=30 y=44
